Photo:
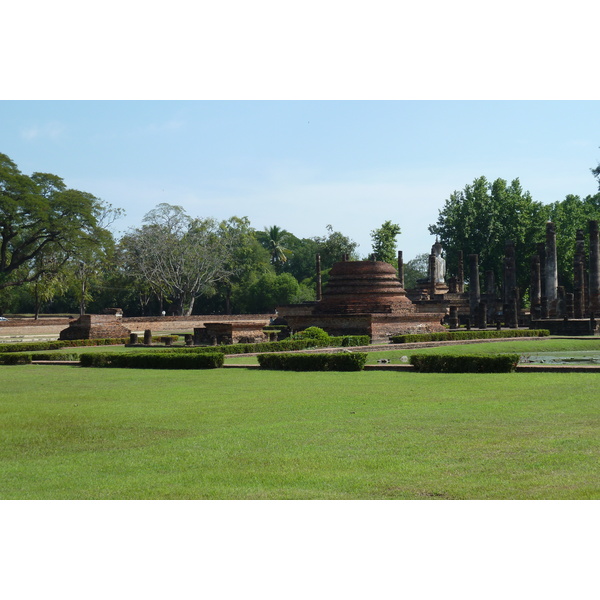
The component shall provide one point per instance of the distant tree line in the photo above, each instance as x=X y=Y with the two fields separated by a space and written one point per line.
x=58 y=255
x=482 y=217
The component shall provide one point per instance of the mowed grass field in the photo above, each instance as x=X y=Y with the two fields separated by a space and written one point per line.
x=73 y=433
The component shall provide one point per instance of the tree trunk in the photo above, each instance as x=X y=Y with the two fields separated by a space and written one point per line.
x=190 y=307
x=228 y=300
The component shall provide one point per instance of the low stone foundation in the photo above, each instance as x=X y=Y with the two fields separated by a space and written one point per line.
x=235 y=332
x=567 y=326
x=94 y=327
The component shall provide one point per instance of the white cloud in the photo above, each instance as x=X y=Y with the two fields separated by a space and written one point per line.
x=52 y=130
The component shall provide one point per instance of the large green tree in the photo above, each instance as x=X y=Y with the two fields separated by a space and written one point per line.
x=384 y=242
x=43 y=224
x=569 y=215
x=480 y=219
x=180 y=257
x=274 y=239
x=247 y=257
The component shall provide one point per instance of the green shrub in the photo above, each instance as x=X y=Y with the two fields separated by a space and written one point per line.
x=153 y=360
x=159 y=339
x=57 y=344
x=486 y=334
x=311 y=333
x=8 y=358
x=313 y=362
x=62 y=356
x=467 y=363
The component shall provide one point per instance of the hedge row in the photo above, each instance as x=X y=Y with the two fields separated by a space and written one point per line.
x=467 y=335
x=57 y=344
x=313 y=362
x=283 y=346
x=448 y=363
x=9 y=358
x=153 y=360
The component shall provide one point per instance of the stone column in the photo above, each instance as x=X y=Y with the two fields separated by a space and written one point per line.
x=514 y=310
x=535 y=289
x=148 y=337
x=490 y=283
x=431 y=276
x=594 y=287
x=579 y=276
x=453 y=320
x=133 y=338
x=460 y=276
x=561 y=302
x=474 y=293
x=510 y=272
x=319 y=287
x=551 y=270
x=570 y=306
x=400 y=268
x=482 y=316
x=541 y=252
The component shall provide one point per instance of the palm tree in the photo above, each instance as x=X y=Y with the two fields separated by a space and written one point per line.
x=275 y=237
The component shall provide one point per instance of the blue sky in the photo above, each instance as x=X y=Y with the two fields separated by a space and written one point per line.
x=302 y=165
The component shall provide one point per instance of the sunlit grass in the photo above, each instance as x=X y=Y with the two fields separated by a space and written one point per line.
x=73 y=433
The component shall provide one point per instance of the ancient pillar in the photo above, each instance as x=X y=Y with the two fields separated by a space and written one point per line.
x=453 y=320
x=551 y=270
x=490 y=283
x=561 y=301
x=511 y=311
x=594 y=286
x=510 y=291
x=541 y=252
x=570 y=306
x=535 y=288
x=579 y=276
x=198 y=335
x=482 y=316
x=474 y=293
x=490 y=290
x=133 y=338
x=400 y=268
x=460 y=276
x=148 y=337
x=431 y=276
x=319 y=288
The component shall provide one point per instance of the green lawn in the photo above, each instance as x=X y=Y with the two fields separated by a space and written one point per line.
x=72 y=433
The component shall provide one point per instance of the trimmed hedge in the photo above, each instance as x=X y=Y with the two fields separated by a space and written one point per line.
x=153 y=360
x=283 y=346
x=467 y=363
x=58 y=356
x=313 y=362
x=467 y=335
x=8 y=358
x=57 y=344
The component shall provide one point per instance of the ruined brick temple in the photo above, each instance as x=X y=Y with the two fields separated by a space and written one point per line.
x=551 y=307
x=362 y=298
x=88 y=327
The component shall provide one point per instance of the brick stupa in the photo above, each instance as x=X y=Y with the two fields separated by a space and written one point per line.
x=363 y=298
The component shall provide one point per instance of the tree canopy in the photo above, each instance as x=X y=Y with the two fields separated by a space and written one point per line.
x=384 y=242
x=480 y=219
x=44 y=224
x=178 y=256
